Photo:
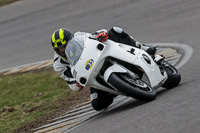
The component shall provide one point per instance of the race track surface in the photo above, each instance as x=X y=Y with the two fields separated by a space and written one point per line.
x=26 y=29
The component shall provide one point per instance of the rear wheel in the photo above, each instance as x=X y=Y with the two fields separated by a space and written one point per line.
x=130 y=86
x=174 y=76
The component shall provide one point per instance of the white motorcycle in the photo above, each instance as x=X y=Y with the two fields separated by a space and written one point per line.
x=120 y=69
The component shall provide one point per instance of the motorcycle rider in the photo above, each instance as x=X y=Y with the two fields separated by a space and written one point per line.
x=60 y=39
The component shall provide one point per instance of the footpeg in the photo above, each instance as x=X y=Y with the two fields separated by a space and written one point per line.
x=158 y=58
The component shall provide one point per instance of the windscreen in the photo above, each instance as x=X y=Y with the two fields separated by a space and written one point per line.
x=74 y=50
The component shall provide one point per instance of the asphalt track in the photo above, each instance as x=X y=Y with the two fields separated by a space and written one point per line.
x=26 y=27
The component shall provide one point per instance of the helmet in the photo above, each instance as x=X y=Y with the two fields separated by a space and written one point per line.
x=59 y=39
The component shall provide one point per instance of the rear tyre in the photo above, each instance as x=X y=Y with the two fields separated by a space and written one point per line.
x=174 y=77
x=135 y=88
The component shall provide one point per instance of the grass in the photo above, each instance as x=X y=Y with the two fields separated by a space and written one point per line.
x=4 y=2
x=26 y=97
x=28 y=100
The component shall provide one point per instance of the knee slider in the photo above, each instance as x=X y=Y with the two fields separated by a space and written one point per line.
x=118 y=30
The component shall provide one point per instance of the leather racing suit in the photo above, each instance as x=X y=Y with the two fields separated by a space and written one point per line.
x=99 y=99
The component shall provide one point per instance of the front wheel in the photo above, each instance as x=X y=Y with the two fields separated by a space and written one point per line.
x=174 y=77
x=135 y=88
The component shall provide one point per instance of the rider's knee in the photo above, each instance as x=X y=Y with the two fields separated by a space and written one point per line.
x=116 y=32
x=118 y=35
x=100 y=99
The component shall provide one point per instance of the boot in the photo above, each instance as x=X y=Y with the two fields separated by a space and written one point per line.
x=152 y=51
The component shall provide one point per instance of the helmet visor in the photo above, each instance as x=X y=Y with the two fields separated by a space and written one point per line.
x=61 y=50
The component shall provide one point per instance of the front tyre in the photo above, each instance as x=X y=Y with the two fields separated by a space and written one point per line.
x=135 y=88
x=174 y=77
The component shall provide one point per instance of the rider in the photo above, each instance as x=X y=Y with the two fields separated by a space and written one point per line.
x=60 y=39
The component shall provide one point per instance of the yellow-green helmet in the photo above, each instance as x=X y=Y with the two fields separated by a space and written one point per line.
x=60 y=38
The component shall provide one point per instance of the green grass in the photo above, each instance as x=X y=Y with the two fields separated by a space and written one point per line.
x=25 y=97
x=4 y=2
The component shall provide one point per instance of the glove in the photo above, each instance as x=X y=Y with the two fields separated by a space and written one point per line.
x=102 y=37
x=79 y=85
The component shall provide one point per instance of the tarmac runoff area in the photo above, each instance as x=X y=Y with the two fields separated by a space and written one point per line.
x=174 y=53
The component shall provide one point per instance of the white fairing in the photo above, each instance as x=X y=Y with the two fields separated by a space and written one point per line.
x=91 y=60
x=113 y=68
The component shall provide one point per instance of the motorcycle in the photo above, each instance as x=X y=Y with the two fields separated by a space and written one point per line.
x=120 y=69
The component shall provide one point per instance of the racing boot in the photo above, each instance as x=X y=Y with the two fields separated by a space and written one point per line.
x=159 y=59
x=152 y=51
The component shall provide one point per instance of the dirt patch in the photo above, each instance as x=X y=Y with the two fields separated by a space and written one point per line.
x=65 y=105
